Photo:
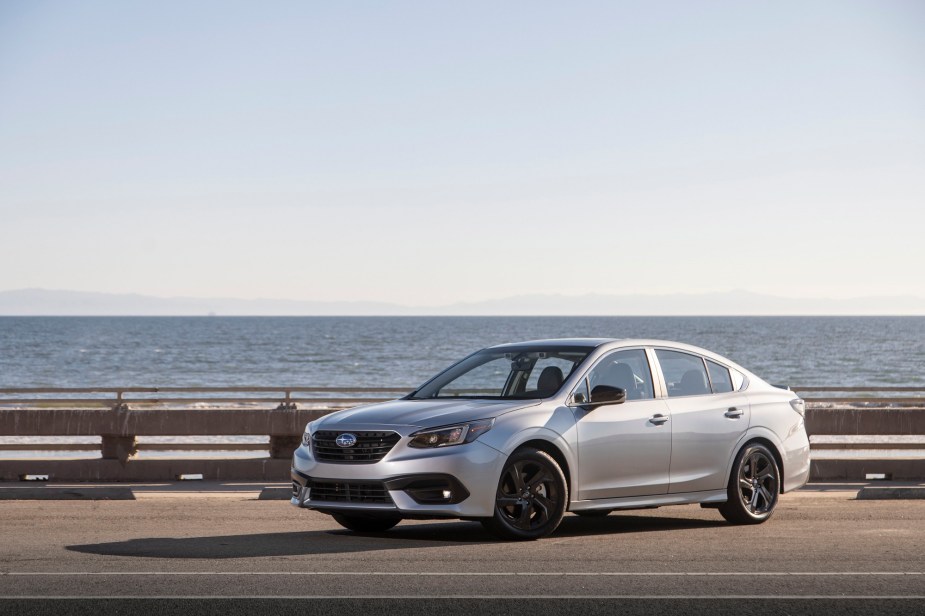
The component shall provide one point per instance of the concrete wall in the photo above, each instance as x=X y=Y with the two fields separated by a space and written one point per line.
x=118 y=429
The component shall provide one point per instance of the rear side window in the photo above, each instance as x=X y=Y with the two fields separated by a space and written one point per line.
x=719 y=377
x=684 y=373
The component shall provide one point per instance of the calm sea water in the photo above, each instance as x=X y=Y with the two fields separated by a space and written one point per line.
x=405 y=351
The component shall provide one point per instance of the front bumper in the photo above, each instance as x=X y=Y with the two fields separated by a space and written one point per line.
x=455 y=482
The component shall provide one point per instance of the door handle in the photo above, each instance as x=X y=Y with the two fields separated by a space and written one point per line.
x=658 y=419
x=734 y=413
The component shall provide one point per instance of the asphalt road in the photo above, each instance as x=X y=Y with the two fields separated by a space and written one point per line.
x=230 y=553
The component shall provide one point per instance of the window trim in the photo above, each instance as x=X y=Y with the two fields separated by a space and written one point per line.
x=684 y=352
x=659 y=384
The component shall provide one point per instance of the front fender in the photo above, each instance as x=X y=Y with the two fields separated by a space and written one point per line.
x=553 y=438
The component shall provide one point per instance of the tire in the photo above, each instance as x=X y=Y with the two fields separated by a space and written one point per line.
x=531 y=497
x=754 y=486
x=359 y=524
x=593 y=513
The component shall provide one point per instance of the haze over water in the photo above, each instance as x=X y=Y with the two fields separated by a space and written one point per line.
x=405 y=351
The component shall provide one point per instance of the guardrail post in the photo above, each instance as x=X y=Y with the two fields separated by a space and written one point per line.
x=282 y=446
x=118 y=447
x=120 y=404
x=287 y=404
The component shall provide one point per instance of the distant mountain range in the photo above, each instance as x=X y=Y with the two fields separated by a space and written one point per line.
x=42 y=302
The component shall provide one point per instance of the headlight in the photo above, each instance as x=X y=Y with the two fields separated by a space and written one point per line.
x=799 y=406
x=450 y=435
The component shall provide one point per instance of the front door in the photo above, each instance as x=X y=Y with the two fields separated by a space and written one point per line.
x=623 y=449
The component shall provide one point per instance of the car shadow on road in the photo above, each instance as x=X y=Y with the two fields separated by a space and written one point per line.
x=623 y=524
x=404 y=536
x=304 y=543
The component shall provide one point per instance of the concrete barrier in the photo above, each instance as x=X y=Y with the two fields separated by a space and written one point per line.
x=873 y=421
x=258 y=469
x=891 y=493
x=119 y=426
x=896 y=458
x=275 y=494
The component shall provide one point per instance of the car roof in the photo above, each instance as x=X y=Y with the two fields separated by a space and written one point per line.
x=594 y=343
x=589 y=343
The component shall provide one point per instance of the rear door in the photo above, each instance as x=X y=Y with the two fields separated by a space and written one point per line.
x=708 y=418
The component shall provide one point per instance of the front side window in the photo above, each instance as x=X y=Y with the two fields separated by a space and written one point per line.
x=684 y=373
x=628 y=370
x=506 y=374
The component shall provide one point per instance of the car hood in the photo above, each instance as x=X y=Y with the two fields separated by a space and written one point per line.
x=419 y=413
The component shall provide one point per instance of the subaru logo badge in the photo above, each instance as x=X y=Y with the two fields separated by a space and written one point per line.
x=346 y=440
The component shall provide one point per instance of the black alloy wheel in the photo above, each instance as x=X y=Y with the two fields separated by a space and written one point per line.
x=753 y=488
x=531 y=497
x=359 y=524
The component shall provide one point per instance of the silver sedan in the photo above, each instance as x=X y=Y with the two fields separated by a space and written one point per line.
x=516 y=435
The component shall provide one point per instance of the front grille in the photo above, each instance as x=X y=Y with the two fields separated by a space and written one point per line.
x=370 y=446
x=337 y=492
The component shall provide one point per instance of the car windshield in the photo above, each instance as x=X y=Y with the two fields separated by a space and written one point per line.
x=517 y=373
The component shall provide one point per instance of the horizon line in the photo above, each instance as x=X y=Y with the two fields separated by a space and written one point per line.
x=438 y=316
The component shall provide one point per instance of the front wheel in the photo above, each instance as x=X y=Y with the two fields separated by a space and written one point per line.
x=360 y=524
x=531 y=497
x=754 y=485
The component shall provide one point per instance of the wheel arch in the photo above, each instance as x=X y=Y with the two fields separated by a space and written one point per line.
x=775 y=451
x=556 y=454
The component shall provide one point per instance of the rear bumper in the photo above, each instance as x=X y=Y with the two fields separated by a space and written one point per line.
x=796 y=460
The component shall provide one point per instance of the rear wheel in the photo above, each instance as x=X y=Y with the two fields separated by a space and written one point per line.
x=753 y=486
x=360 y=524
x=531 y=497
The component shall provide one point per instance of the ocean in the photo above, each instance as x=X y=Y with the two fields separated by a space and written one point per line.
x=405 y=351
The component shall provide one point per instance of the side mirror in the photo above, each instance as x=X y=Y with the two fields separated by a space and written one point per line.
x=606 y=394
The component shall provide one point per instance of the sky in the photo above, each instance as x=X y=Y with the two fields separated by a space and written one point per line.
x=432 y=152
